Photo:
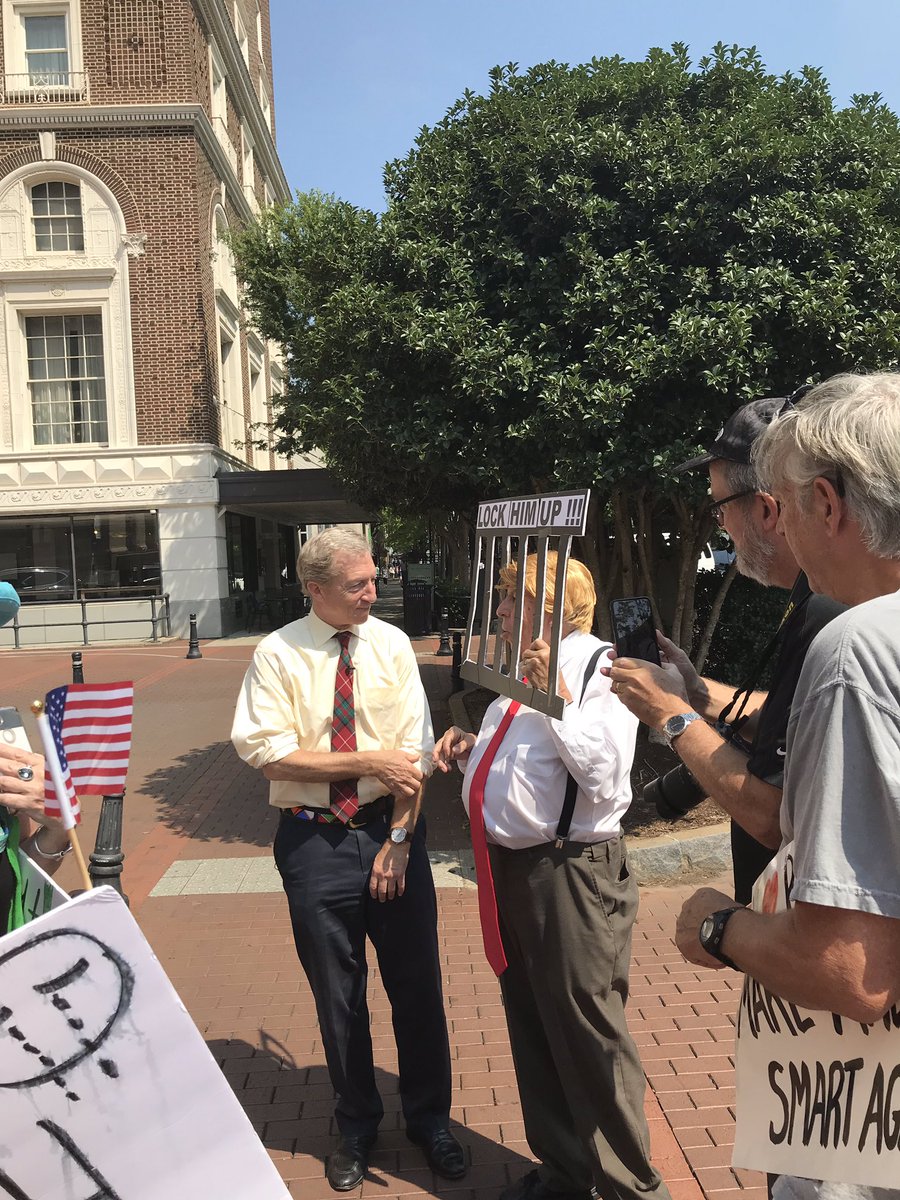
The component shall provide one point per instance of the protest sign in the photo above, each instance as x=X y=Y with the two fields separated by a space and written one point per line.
x=817 y=1094
x=39 y=893
x=509 y=530
x=107 y=1089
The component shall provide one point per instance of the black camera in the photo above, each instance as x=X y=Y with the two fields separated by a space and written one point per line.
x=674 y=793
x=677 y=792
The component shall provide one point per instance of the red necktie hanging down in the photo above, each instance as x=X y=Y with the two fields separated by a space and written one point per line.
x=487 y=899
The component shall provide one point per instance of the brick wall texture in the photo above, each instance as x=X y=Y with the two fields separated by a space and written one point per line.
x=148 y=52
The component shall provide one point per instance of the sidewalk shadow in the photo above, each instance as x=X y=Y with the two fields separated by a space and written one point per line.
x=211 y=795
x=291 y=1108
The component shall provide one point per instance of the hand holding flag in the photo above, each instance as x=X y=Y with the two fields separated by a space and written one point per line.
x=86 y=734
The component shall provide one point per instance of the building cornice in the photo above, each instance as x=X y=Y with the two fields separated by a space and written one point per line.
x=218 y=23
x=167 y=116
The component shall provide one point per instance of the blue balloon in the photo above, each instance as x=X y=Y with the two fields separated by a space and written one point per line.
x=9 y=602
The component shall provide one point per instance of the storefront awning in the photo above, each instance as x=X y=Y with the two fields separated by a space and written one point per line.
x=310 y=496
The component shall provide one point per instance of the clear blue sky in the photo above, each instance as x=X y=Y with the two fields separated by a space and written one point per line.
x=356 y=79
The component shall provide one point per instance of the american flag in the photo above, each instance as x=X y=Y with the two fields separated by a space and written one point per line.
x=91 y=726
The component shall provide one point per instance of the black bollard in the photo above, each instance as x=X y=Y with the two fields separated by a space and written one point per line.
x=193 y=641
x=443 y=650
x=455 y=677
x=77 y=667
x=107 y=858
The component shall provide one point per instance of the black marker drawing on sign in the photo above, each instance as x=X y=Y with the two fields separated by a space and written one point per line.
x=67 y=1144
x=93 y=968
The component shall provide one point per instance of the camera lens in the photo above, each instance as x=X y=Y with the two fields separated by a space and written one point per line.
x=674 y=793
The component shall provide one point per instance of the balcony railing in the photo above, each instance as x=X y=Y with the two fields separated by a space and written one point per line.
x=46 y=87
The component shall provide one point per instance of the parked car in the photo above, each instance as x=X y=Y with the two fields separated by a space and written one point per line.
x=715 y=558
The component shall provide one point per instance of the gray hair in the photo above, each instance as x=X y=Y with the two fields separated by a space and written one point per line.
x=739 y=477
x=315 y=562
x=846 y=429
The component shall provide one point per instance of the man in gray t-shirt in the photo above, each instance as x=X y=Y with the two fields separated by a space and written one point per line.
x=833 y=464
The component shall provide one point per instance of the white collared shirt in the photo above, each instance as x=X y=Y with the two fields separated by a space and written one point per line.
x=594 y=740
x=287 y=700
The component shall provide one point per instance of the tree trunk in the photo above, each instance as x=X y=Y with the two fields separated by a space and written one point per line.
x=457 y=532
x=624 y=539
x=646 y=553
x=714 y=613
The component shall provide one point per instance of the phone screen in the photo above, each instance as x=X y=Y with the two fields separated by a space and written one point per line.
x=12 y=731
x=633 y=629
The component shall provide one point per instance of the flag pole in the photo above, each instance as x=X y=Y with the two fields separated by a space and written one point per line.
x=52 y=760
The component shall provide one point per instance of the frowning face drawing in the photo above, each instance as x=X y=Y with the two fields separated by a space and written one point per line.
x=58 y=1005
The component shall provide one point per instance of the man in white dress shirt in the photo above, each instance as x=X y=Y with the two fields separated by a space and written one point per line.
x=565 y=914
x=333 y=712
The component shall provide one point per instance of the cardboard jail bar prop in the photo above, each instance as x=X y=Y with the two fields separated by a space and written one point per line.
x=560 y=516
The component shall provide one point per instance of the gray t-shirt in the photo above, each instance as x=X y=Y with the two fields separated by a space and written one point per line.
x=842 y=790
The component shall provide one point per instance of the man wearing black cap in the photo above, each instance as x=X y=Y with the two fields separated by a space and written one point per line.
x=747 y=785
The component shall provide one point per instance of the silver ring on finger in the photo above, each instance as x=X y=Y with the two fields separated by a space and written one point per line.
x=26 y=774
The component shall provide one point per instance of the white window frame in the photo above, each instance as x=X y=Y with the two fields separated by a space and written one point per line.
x=50 y=310
x=240 y=32
x=60 y=283
x=52 y=177
x=13 y=11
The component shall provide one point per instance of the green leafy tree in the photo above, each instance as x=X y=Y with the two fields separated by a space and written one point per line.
x=576 y=278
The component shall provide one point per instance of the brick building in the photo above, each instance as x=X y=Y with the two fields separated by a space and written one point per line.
x=133 y=133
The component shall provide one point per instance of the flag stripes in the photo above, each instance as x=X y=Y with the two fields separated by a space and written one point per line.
x=91 y=726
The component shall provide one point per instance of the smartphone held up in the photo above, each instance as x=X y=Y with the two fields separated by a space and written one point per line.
x=633 y=628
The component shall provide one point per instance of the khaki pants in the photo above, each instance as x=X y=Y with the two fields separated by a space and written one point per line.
x=566 y=918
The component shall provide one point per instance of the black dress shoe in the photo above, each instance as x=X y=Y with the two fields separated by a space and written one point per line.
x=346 y=1168
x=444 y=1153
x=530 y=1187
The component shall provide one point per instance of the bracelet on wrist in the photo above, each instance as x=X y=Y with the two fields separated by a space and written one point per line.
x=51 y=856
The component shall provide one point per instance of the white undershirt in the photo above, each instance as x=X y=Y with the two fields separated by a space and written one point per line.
x=594 y=740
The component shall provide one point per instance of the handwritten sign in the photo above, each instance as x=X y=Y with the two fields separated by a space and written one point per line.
x=565 y=512
x=39 y=893
x=818 y=1095
x=107 y=1089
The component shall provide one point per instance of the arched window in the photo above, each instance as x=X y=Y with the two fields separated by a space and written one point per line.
x=56 y=213
x=66 y=371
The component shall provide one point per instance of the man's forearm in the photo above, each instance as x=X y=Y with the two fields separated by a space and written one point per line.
x=722 y=772
x=709 y=697
x=406 y=811
x=322 y=766
x=801 y=956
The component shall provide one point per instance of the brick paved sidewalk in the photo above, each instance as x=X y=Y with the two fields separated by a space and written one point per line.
x=232 y=957
x=232 y=960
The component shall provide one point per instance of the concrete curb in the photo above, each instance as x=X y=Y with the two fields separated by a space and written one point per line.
x=678 y=857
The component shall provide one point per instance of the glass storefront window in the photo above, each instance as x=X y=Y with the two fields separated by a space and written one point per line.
x=83 y=557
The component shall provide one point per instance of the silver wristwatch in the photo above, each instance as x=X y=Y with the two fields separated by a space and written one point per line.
x=399 y=835
x=675 y=726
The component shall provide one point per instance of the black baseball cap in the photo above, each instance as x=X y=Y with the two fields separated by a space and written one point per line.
x=737 y=435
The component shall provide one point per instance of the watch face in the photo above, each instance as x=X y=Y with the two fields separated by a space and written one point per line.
x=398 y=836
x=707 y=926
x=676 y=724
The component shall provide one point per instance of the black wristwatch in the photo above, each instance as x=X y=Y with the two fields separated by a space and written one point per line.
x=712 y=930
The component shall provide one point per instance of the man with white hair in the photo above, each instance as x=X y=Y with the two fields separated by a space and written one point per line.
x=817 y=1090
x=332 y=710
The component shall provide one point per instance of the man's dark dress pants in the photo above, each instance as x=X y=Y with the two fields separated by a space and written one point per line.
x=566 y=918
x=325 y=870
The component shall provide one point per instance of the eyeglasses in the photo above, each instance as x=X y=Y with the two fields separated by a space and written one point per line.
x=715 y=509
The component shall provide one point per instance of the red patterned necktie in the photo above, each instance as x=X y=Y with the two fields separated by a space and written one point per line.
x=344 y=797
x=487 y=899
